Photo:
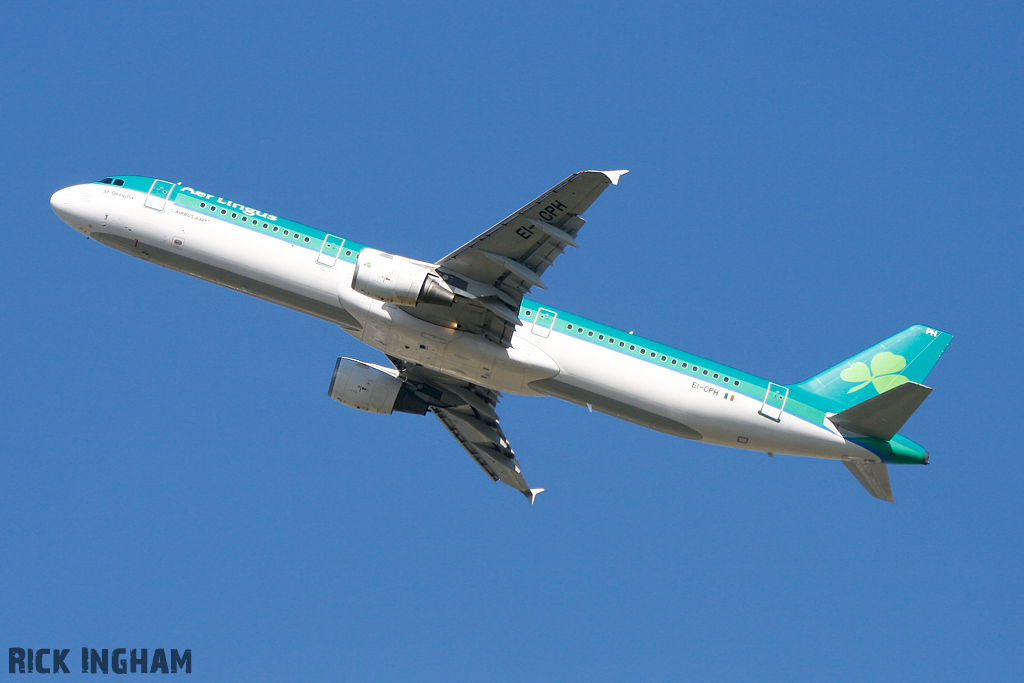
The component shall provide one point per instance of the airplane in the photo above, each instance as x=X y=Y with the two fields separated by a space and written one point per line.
x=459 y=332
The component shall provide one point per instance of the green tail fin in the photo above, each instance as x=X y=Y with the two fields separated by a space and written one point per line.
x=905 y=357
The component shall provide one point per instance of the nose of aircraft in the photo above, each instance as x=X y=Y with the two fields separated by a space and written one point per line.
x=59 y=203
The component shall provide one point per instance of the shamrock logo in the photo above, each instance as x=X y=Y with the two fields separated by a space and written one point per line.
x=883 y=373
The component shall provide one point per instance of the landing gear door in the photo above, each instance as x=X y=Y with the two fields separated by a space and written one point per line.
x=544 y=322
x=774 y=401
x=159 y=193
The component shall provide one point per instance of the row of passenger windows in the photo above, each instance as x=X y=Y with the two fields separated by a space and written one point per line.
x=644 y=352
x=112 y=181
x=256 y=222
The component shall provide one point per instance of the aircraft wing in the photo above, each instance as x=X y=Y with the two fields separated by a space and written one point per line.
x=468 y=411
x=491 y=273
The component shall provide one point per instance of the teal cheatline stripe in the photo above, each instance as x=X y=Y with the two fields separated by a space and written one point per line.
x=686 y=364
x=700 y=369
x=242 y=216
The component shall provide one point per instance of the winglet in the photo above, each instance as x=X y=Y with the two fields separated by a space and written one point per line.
x=612 y=175
x=531 y=494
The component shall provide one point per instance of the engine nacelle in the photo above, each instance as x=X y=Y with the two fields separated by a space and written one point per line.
x=373 y=388
x=398 y=280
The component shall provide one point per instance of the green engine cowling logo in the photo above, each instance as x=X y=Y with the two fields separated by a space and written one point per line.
x=883 y=373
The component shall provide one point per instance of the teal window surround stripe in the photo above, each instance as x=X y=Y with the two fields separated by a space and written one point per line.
x=187 y=201
x=316 y=236
x=750 y=386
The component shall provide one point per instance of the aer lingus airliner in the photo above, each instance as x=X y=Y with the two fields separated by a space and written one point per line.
x=458 y=331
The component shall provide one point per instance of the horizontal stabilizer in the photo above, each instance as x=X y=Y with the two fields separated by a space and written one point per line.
x=883 y=415
x=531 y=495
x=874 y=476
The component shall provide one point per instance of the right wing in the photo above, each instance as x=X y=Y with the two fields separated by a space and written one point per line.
x=468 y=411
x=491 y=273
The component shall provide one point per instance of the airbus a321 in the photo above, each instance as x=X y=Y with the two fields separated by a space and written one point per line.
x=459 y=331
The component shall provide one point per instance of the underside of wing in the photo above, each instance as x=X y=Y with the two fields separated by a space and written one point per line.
x=491 y=273
x=468 y=411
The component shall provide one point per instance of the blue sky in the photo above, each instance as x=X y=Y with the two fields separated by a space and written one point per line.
x=805 y=181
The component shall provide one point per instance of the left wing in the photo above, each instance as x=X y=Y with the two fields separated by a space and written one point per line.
x=491 y=273
x=468 y=412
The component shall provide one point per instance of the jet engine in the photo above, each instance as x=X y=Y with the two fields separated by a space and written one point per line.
x=399 y=280
x=373 y=388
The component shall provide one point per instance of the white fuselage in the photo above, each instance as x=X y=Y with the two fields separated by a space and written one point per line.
x=545 y=362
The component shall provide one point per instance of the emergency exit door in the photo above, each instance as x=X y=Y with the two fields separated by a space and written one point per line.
x=159 y=193
x=774 y=401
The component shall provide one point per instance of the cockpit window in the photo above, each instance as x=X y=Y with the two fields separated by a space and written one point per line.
x=107 y=180
x=118 y=181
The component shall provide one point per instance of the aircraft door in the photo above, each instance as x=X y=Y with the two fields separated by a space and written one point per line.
x=159 y=192
x=544 y=321
x=774 y=401
x=329 y=250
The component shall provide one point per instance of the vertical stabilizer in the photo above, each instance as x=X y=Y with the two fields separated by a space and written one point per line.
x=904 y=357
